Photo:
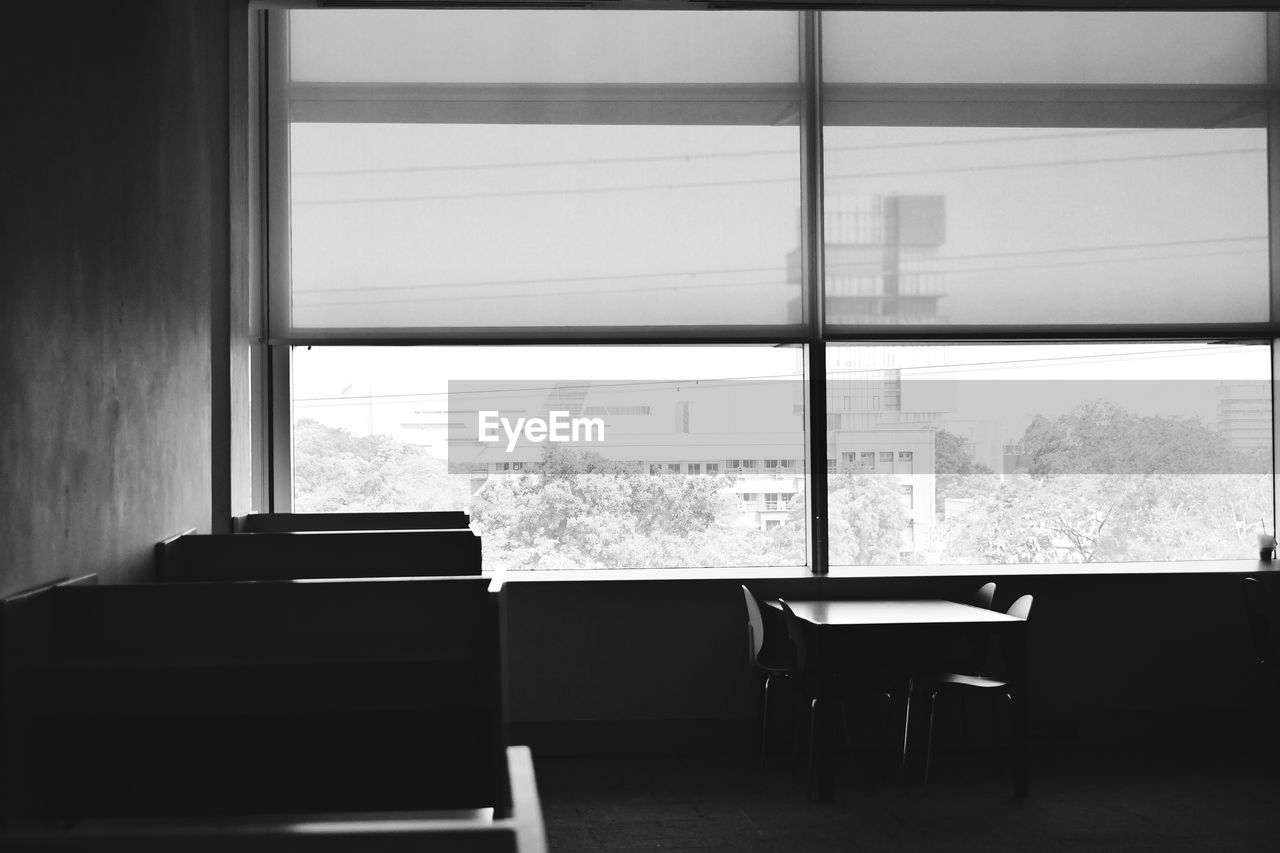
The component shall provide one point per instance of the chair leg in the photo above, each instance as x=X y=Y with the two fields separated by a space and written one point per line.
x=764 y=724
x=1011 y=743
x=813 y=740
x=928 y=749
x=906 y=721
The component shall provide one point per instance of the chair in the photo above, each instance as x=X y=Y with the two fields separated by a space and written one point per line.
x=979 y=642
x=967 y=682
x=769 y=652
x=820 y=685
x=1261 y=608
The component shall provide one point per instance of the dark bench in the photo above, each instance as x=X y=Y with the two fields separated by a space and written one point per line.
x=226 y=716
x=335 y=554
x=292 y=522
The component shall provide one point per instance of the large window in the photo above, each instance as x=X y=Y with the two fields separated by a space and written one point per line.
x=772 y=288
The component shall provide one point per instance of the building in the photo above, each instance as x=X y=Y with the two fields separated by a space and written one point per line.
x=1244 y=414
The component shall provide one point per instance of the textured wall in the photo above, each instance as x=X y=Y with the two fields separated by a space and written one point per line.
x=600 y=666
x=113 y=239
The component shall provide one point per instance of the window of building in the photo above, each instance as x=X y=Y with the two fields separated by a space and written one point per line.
x=1013 y=243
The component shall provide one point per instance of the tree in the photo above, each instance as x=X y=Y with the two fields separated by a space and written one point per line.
x=1104 y=484
x=335 y=471
x=866 y=520
x=956 y=475
x=575 y=509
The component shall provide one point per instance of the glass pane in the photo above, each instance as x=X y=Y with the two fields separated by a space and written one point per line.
x=1035 y=226
x=1071 y=48
x=541 y=47
x=427 y=225
x=646 y=457
x=1048 y=453
x=543 y=168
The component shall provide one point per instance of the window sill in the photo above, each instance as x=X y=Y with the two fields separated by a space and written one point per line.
x=1188 y=567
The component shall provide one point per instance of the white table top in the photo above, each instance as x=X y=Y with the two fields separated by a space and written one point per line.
x=922 y=611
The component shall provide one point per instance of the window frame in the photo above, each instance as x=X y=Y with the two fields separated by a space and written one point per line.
x=267 y=128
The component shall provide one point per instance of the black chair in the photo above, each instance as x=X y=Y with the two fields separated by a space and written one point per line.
x=975 y=661
x=821 y=685
x=1262 y=608
x=966 y=683
x=769 y=652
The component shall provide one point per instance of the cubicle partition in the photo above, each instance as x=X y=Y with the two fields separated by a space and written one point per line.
x=292 y=522
x=193 y=557
x=249 y=715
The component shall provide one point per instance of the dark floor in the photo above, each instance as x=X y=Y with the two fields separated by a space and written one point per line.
x=1082 y=800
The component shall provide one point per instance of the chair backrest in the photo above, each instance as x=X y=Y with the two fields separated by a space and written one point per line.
x=1021 y=607
x=768 y=645
x=980 y=640
x=1260 y=608
x=755 y=626
x=795 y=630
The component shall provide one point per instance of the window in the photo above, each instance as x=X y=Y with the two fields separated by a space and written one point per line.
x=1069 y=453
x=1034 y=234
x=353 y=450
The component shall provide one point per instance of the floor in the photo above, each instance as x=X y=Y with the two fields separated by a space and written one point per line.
x=1082 y=800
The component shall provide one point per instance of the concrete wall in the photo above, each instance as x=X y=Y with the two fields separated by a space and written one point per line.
x=661 y=665
x=112 y=244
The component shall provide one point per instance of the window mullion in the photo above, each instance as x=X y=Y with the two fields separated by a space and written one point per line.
x=277 y=290
x=811 y=236
x=1273 y=228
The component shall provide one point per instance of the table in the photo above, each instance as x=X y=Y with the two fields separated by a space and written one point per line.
x=906 y=632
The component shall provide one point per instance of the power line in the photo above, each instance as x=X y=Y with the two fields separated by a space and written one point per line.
x=596 y=279
x=837 y=373
x=762 y=181
x=670 y=158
